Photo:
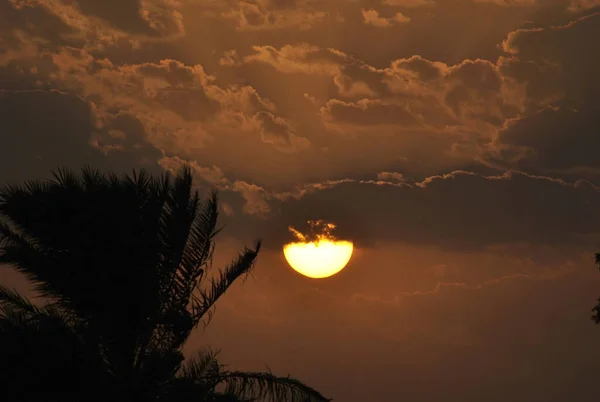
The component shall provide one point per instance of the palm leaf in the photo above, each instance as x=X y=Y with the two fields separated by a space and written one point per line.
x=203 y=367
x=268 y=386
x=242 y=265
x=24 y=253
x=10 y=298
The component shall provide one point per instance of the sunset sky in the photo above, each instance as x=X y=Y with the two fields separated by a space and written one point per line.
x=455 y=142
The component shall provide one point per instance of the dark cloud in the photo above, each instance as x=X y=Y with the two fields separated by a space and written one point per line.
x=561 y=139
x=459 y=210
x=563 y=56
x=369 y=113
x=128 y=18
x=190 y=104
x=44 y=129
x=560 y=68
x=583 y=5
x=36 y=21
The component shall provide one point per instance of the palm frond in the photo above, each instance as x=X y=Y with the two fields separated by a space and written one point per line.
x=12 y=299
x=12 y=317
x=10 y=237
x=203 y=367
x=207 y=298
x=23 y=253
x=203 y=374
x=65 y=178
x=176 y=221
x=14 y=306
x=199 y=248
x=92 y=179
x=266 y=386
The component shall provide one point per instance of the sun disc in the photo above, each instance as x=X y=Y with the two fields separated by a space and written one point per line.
x=318 y=259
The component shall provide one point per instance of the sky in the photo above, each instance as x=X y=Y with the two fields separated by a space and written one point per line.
x=453 y=141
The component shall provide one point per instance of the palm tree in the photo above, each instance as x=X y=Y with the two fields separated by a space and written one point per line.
x=125 y=264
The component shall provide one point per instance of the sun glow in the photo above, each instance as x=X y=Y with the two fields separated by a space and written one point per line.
x=318 y=255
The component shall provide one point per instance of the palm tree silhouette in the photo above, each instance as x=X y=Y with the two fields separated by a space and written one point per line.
x=125 y=264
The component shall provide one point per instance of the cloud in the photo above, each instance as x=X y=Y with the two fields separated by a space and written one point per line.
x=255 y=197
x=51 y=128
x=230 y=58
x=302 y=58
x=473 y=92
x=543 y=66
x=255 y=15
x=573 y=134
x=164 y=97
x=368 y=112
x=455 y=210
x=583 y=5
x=509 y=2
x=177 y=105
x=372 y=17
x=409 y=3
x=390 y=177
x=109 y=24
x=560 y=129
x=278 y=132
x=440 y=115
x=149 y=17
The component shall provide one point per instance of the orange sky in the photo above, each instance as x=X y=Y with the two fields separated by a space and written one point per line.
x=455 y=141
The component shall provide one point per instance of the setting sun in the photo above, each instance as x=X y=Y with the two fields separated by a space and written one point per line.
x=321 y=257
x=318 y=259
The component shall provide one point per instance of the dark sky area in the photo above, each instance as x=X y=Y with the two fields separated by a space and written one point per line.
x=454 y=141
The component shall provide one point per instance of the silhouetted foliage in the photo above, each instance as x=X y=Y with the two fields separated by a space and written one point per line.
x=124 y=263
